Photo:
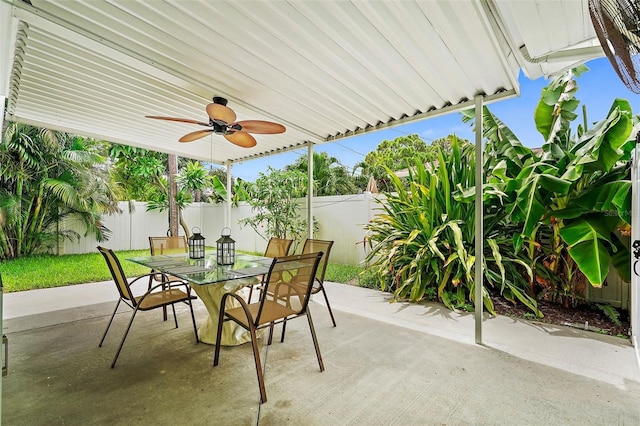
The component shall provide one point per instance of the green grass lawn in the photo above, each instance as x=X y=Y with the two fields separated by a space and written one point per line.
x=45 y=271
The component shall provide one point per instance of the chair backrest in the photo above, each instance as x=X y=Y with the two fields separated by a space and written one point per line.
x=277 y=247
x=118 y=274
x=289 y=282
x=168 y=245
x=315 y=246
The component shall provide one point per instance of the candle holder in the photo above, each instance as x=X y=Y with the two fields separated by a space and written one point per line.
x=225 y=248
x=196 y=245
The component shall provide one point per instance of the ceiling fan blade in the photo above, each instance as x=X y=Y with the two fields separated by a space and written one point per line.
x=181 y=120
x=259 y=126
x=190 y=137
x=242 y=139
x=221 y=113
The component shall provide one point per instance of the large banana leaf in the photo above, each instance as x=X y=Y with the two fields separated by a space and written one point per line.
x=586 y=238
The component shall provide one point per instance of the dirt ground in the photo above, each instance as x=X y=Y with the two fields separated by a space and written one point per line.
x=587 y=316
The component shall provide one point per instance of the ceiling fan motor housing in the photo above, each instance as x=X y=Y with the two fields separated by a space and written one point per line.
x=219 y=100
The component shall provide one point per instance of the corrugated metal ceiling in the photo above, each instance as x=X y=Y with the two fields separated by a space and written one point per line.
x=324 y=69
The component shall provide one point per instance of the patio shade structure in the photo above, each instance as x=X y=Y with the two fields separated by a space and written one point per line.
x=325 y=70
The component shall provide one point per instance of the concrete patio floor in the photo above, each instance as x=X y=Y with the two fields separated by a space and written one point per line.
x=386 y=363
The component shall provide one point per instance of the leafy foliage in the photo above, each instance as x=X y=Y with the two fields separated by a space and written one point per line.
x=47 y=178
x=329 y=176
x=274 y=204
x=193 y=178
x=551 y=215
x=393 y=155
x=611 y=312
x=569 y=198
x=421 y=245
x=137 y=171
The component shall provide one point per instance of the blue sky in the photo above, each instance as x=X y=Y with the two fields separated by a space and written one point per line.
x=597 y=89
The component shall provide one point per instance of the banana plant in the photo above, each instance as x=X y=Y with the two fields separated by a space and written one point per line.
x=572 y=196
x=588 y=194
x=239 y=192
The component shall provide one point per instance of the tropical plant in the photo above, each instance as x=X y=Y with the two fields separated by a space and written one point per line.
x=394 y=155
x=423 y=241
x=193 y=178
x=137 y=171
x=46 y=178
x=147 y=176
x=159 y=200
x=330 y=177
x=239 y=192
x=571 y=197
x=274 y=204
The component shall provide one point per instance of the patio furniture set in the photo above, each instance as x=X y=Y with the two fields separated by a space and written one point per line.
x=284 y=283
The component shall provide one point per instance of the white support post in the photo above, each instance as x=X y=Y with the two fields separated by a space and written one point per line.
x=2 y=344
x=310 y=191
x=479 y=219
x=227 y=211
x=634 y=312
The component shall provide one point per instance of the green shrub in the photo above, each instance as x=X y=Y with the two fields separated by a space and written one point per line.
x=422 y=245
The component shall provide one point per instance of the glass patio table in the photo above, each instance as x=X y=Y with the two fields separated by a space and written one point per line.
x=210 y=282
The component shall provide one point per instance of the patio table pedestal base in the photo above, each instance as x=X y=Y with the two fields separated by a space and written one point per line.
x=211 y=296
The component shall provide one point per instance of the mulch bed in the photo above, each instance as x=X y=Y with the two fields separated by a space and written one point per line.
x=584 y=316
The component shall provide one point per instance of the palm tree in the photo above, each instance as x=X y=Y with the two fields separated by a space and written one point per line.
x=45 y=178
x=330 y=177
x=193 y=178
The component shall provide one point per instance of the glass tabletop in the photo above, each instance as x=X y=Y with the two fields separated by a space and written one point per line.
x=206 y=270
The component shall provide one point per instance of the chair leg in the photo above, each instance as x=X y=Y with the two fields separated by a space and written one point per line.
x=315 y=340
x=193 y=319
x=250 y=294
x=326 y=299
x=109 y=325
x=135 y=311
x=256 y=357
x=164 y=308
x=216 y=353
x=284 y=321
x=173 y=308
x=271 y=327
x=254 y=345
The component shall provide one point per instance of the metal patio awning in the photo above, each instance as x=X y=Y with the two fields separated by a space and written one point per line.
x=324 y=69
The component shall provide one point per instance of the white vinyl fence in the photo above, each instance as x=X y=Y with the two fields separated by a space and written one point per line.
x=340 y=218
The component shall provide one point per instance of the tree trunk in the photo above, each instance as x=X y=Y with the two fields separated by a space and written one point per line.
x=184 y=226
x=172 y=192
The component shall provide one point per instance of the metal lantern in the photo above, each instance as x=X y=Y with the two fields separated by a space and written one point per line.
x=196 y=245
x=225 y=248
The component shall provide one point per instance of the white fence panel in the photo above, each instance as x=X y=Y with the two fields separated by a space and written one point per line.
x=341 y=219
x=146 y=224
x=247 y=238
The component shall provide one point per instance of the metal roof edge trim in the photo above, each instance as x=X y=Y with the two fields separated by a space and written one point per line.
x=271 y=152
x=96 y=136
x=433 y=113
x=492 y=21
x=441 y=111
